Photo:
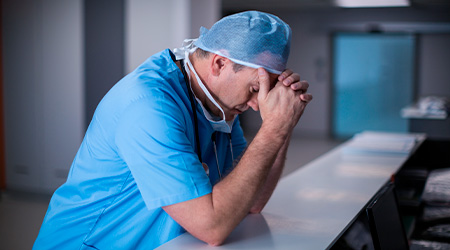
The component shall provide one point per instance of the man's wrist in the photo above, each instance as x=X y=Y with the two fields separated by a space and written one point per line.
x=274 y=134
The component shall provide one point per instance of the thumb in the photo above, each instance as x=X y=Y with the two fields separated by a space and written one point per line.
x=264 y=84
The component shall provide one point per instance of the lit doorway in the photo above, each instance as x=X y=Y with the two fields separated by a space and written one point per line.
x=373 y=78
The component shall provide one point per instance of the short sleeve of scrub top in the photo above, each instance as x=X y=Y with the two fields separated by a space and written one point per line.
x=151 y=138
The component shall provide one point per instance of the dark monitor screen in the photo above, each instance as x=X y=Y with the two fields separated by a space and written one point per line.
x=385 y=222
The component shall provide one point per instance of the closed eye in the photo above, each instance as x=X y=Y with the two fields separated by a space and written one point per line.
x=254 y=90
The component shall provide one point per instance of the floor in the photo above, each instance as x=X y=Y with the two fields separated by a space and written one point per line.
x=21 y=213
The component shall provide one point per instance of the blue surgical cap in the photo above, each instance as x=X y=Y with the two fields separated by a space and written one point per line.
x=250 y=38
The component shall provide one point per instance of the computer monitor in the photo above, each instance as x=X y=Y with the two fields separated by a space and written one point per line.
x=385 y=222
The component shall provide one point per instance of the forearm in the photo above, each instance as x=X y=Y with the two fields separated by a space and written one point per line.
x=272 y=179
x=214 y=216
x=235 y=195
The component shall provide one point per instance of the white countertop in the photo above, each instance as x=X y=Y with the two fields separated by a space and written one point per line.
x=311 y=207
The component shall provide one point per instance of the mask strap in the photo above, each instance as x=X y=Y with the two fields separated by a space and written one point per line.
x=202 y=86
x=194 y=111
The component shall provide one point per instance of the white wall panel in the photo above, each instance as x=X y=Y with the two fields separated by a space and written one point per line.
x=152 y=26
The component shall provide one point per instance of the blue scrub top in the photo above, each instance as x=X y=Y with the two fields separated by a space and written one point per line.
x=138 y=154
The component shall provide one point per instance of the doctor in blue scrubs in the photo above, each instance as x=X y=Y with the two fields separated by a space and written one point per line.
x=165 y=153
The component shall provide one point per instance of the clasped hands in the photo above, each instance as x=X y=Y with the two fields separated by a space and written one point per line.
x=290 y=79
x=284 y=103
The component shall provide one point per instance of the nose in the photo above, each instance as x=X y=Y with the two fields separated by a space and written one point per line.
x=253 y=102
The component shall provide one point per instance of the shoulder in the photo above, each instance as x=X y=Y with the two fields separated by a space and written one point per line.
x=158 y=79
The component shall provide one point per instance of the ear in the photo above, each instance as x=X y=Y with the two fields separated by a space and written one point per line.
x=218 y=64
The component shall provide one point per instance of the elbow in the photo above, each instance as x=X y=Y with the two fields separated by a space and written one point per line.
x=215 y=243
x=256 y=209
x=214 y=239
x=213 y=236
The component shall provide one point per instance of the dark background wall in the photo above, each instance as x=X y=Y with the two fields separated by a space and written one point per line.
x=104 y=49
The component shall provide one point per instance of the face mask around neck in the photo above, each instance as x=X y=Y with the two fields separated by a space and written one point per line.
x=217 y=123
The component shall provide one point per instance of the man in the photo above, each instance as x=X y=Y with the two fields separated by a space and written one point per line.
x=157 y=158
